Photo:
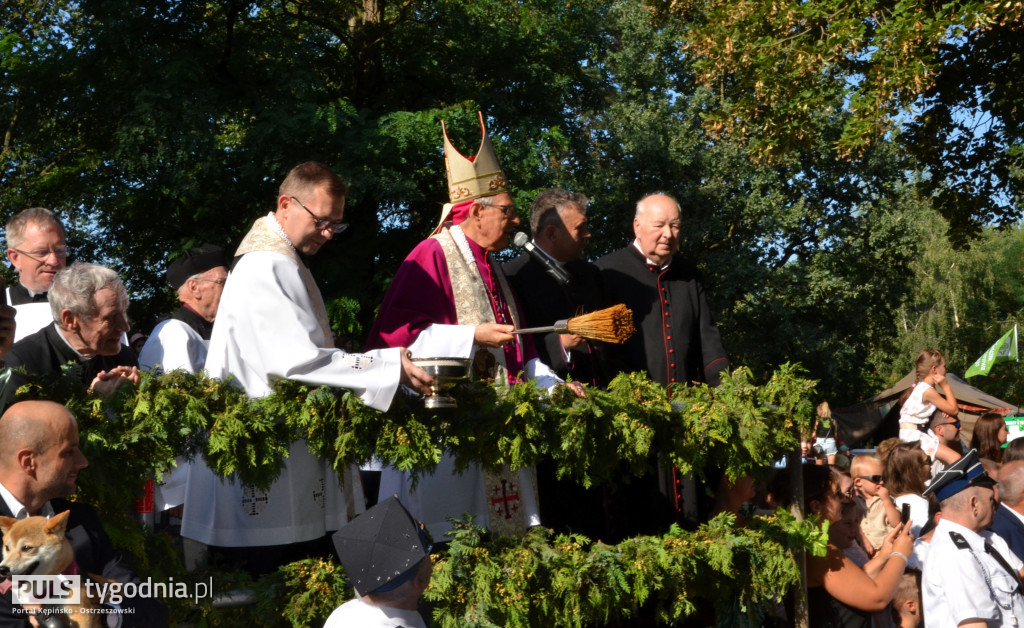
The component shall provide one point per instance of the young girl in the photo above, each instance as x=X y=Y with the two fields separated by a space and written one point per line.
x=924 y=399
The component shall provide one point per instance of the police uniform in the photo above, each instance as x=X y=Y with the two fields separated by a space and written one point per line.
x=969 y=574
x=962 y=580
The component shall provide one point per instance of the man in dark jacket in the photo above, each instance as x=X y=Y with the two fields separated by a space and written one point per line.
x=89 y=306
x=677 y=340
x=558 y=220
x=39 y=465
x=1008 y=519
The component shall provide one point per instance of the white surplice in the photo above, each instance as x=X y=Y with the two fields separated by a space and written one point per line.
x=30 y=317
x=272 y=324
x=173 y=346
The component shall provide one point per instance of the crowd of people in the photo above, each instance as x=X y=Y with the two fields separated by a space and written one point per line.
x=932 y=531
x=259 y=317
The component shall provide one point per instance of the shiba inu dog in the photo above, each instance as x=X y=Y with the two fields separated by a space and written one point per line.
x=37 y=546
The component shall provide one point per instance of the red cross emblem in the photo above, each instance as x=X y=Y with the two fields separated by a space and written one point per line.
x=506 y=499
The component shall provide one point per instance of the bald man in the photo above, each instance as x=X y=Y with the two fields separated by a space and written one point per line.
x=677 y=339
x=40 y=461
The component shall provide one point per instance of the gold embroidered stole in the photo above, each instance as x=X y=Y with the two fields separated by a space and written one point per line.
x=472 y=302
x=263 y=237
x=507 y=513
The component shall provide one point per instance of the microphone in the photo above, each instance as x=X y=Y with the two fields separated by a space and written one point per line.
x=557 y=273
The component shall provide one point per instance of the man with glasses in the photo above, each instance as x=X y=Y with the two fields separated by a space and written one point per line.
x=947 y=429
x=272 y=324
x=181 y=341
x=37 y=248
x=450 y=298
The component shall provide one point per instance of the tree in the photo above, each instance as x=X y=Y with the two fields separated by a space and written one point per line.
x=948 y=74
x=172 y=123
x=960 y=302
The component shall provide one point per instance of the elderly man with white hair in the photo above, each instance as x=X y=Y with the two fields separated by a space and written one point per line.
x=677 y=339
x=89 y=306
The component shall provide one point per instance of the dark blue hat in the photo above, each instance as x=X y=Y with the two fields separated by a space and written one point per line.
x=963 y=473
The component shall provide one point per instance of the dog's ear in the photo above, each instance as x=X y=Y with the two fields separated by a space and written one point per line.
x=6 y=523
x=57 y=524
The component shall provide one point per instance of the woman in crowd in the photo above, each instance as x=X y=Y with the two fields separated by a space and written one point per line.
x=840 y=594
x=907 y=471
x=1014 y=450
x=989 y=436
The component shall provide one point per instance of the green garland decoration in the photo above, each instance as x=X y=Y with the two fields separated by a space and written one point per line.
x=739 y=427
x=565 y=581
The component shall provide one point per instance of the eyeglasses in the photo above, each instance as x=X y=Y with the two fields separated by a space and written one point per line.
x=219 y=282
x=508 y=210
x=40 y=255
x=322 y=224
x=956 y=423
x=874 y=479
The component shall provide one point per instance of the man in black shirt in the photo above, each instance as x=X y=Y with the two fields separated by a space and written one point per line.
x=558 y=220
x=89 y=305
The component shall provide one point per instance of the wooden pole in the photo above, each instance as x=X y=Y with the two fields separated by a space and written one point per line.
x=794 y=463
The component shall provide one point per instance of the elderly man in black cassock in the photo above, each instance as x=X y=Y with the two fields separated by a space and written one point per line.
x=677 y=340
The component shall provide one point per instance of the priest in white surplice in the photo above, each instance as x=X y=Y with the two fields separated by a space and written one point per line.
x=449 y=299
x=37 y=248
x=179 y=343
x=272 y=324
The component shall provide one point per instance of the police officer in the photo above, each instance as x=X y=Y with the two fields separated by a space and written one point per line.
x=971 y=578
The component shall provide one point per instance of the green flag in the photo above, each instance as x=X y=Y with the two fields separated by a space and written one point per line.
x=1004 y=350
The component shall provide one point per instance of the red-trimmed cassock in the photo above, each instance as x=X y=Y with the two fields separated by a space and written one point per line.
x=677 y=339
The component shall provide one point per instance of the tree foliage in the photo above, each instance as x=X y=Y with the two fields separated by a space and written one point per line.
x=946 y=73
x=171 y=124
x=156 y=127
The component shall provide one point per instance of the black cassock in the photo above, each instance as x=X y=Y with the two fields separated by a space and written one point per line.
x=677 y=339
x=544 y=301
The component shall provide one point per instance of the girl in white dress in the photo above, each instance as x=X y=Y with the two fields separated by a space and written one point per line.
x=924 y=399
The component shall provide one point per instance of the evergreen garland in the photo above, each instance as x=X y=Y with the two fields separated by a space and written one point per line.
x=543 y=579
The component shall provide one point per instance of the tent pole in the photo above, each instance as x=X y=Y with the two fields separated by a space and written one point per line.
x=794 y=463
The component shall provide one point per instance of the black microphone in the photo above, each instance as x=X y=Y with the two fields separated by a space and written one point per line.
x=557 y=272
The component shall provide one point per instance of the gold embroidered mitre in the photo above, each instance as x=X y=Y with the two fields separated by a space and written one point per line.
x=473 y=177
